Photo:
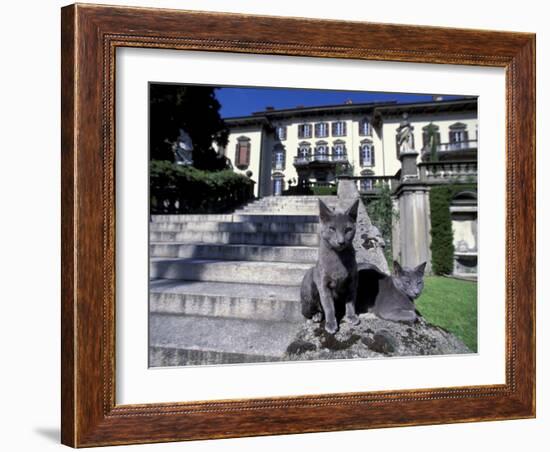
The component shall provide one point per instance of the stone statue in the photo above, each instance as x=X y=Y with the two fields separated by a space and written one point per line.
x=183 y=149
x=405 y=135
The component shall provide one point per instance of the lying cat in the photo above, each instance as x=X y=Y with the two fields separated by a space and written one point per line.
x=332 y=283
x=390 y=297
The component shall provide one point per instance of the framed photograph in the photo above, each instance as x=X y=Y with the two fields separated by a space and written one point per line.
x=270 y=231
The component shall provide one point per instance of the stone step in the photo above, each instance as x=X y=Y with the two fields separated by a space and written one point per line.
x=246 y=238
x=191 y=217
x=325 y=198
x=253 y=218
x=288 y=204
x=277 y=273
x=277 y=217
x=224 y=226
x=177 y=340
x=240 y=252
x=285 y=215
x=281 y=211
x=229 y=300
x=280 y=207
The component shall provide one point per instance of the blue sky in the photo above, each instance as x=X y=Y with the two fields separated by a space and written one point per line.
x=244 y=101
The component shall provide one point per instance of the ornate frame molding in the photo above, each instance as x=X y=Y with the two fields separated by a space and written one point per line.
x=90 y=36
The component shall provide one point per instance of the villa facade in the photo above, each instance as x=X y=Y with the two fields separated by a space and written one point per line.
x=312 y=146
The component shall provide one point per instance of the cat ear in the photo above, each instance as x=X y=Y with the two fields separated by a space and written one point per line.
x=397 y=268
x=420 y=269
x=352 y=211
x=325 y=212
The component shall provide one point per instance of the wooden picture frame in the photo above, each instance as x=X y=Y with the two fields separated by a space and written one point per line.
x=90 y=36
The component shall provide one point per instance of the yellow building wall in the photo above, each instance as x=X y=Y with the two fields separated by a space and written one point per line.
x=383 y=139
x=443 y=121
x=255 y=135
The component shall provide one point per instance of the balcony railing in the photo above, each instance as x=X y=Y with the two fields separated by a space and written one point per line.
x=445 y=171
x=457 y=146
x=371 y=185
x=320 y=157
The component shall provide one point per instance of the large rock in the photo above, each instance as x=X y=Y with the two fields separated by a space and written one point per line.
x=373 y=338
x=368 y=242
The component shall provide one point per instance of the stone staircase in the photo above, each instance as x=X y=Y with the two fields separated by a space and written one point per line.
x=225 y=288
x=287 y=205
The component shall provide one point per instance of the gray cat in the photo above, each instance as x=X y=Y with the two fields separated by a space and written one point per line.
x=332 y=284
x=390 y=297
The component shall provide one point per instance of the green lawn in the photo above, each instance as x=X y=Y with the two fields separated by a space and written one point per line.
x=451 y=304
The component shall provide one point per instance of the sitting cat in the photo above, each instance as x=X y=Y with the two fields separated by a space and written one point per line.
x=332 y=283
x=390 y=297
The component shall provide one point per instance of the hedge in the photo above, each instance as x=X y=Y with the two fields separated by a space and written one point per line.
x=442 y=229
x=176 y=189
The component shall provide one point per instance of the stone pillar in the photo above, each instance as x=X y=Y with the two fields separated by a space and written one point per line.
x=414 y=225
x=409 y=168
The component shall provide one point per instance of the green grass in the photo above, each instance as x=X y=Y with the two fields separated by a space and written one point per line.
x=452 y=305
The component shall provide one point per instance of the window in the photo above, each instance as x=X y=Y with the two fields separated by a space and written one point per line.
x=365 y=128
x=339 y=152
x=339 y=129
x=366 y=185
x=304 y=151
x=278 y=186
x=304 y=131
x=280 y=133
x=321 y=152
x=457 y=136
x=279 y=158
x=366 y=154
x=458 y=133
x=321 y=130
x=242 y=153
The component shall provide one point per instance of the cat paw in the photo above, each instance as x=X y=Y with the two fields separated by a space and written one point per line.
x=331 y=327
x=353 y=319
x=316 y=318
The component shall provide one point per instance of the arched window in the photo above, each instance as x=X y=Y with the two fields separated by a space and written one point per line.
x=279 y=157
x=278 y=184
x=366 y=153
x=339 y=151
x=242 y=152
x=304 y=151
x=321 y=151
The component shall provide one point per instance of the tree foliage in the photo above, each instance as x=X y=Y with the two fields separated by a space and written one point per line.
x=383 y=214
x=442 y=246
x=194 y=109
x=442 y=232
x=431 y=131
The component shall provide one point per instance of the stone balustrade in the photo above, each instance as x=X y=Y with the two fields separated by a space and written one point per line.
x=432 y=172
